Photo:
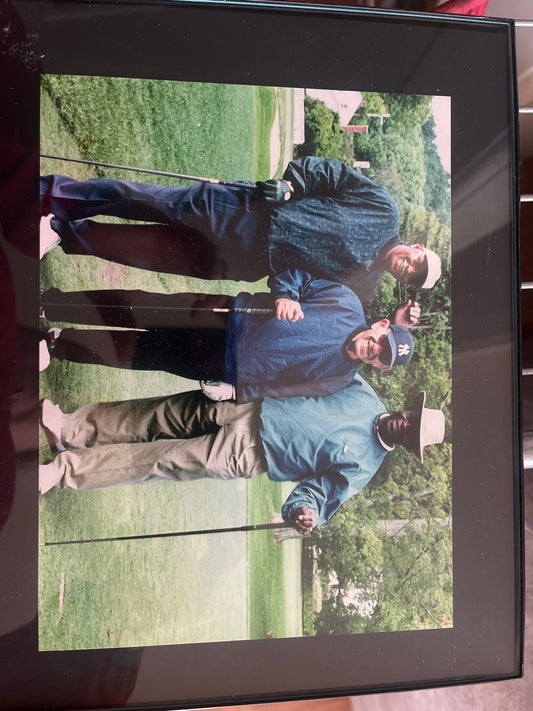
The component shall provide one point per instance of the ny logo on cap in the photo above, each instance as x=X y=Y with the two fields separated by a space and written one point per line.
x=404 y=349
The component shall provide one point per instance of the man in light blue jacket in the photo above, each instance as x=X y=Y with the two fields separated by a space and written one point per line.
x=332 y=446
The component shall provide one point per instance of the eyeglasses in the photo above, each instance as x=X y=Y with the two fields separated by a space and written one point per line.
x=385 y=355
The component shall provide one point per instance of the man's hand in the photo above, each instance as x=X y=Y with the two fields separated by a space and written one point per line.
x=275 y=191
x=288 y=310
x=217 y=390
x=304 y=520
x=407 y=315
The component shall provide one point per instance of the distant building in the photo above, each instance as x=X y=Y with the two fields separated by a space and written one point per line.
x=381 y=117
x=345 y=103
x=364 y=601
x=355 y=129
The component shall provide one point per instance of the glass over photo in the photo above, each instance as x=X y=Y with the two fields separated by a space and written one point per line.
x=245 y=363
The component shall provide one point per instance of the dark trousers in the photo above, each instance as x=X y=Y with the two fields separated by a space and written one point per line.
x=134 y=308
x=182 y=335
x=207 y=231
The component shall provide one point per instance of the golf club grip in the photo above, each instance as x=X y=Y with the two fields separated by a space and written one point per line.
x=245 y=310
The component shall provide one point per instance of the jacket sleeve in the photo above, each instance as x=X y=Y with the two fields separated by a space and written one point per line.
x=325 y=177
x=327 y=492
x=300 y=286
x=291 y=284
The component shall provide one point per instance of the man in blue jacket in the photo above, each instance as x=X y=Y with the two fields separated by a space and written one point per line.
x=331 y=446
x=311 y=340
x=323 y=217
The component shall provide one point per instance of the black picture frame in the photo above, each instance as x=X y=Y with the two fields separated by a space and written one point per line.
x=469 y=59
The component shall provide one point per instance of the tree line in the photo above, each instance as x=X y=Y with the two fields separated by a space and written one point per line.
x=394 y=578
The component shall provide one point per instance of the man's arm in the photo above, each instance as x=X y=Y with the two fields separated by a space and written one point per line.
x=294 y=286
x=304 y=520
x=288 y=310
x=287 y=289
x=326 y=493
x=406 y=315
x=298 y=285
x=274 y=191
x=323 y=176
x=290 y=284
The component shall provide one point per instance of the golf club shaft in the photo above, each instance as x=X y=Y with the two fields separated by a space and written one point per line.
x=176 y=534
x=214 y=309
x=181 y=176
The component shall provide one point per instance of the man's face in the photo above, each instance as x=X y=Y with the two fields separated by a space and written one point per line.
x=406 y=262
x=371 y=346
x=400 y=428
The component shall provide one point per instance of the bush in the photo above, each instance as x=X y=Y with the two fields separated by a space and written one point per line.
x=324 y=136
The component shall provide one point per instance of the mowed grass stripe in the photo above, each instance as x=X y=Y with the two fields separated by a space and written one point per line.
x=274 y=579
x=116 y=607
x=209 y=130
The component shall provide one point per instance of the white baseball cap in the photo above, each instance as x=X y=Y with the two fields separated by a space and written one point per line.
x=434 y=269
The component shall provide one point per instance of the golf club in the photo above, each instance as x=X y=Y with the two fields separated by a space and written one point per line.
x=177 y=534
x=181 y=176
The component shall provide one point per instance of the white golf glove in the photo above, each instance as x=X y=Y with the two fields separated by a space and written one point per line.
x=217 y=390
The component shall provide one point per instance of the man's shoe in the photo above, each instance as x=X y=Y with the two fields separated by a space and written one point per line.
x=44 y=355
x=49 y=477
x=51 y=422
x=46 y=346
x=48 y=238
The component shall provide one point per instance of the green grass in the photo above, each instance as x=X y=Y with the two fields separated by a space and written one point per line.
x=210 y=130
x=198 y=588
x=127 y=598
x=308 y=611
x=266 y=103
x=286 y=112
x=274 y=585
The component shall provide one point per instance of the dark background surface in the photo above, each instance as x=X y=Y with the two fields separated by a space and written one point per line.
x=76 y=42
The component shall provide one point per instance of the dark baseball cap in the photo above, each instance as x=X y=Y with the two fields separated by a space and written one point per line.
x=401 y=344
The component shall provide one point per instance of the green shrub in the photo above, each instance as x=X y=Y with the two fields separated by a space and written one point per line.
x=323 y=132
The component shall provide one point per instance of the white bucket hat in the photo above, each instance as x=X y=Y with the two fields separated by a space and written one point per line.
x=432 y=425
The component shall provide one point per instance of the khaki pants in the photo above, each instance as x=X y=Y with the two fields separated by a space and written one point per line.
x=180 y=437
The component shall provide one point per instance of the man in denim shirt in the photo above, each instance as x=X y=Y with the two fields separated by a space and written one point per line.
x=323 y=217
x=332 y=446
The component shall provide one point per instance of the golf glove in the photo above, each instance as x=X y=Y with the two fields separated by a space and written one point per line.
x=274 y=191
x=217 y=390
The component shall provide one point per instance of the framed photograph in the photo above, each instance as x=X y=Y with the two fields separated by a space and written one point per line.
x=261 y=419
